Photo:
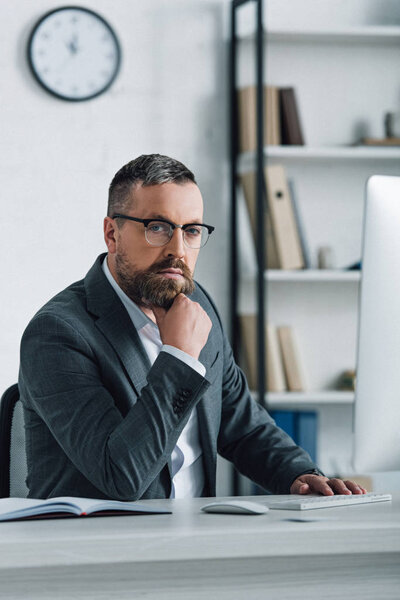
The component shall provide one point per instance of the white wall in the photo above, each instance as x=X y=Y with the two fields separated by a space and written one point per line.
x=57 y=158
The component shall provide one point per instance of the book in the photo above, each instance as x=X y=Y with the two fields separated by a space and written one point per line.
x=291 y=129
x=12 y=509
x=247 y=108
x=390 y=141
x=272 y=116
x=248 y=334
x=276 y=381
x=291 y=359
x=285 y=232
x=300 y=227
x=248 y=181
x=275 y=376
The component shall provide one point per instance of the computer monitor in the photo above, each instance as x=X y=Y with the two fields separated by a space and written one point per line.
x=377 y=402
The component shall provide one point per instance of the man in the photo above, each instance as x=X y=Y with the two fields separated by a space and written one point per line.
x=128 y=382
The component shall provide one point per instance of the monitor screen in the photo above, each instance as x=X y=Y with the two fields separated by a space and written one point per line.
x=377 y=402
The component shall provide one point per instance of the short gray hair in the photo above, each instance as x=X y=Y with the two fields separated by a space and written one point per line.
x=147 y=169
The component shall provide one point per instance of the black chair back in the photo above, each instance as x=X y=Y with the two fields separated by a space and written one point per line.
x=13 y=468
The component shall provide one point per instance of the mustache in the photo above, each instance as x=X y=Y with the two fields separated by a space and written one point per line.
x=170 y=263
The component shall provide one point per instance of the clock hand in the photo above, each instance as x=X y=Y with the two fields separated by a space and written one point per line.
x=73 y=45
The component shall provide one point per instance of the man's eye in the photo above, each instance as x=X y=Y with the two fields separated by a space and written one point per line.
x=193 y=231
x=158 y=227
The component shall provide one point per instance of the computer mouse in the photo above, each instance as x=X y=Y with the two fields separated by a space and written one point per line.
x=239 y=507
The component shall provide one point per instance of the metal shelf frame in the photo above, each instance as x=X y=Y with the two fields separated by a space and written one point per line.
x=234 y=156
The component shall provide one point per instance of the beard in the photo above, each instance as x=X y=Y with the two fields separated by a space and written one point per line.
x=149 y=287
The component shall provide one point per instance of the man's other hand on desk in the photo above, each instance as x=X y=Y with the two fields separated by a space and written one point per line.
x=318 y=484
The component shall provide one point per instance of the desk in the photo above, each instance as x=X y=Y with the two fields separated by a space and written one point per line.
x=353 y=552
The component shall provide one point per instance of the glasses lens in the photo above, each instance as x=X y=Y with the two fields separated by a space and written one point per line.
x=158 y=233
x=195 y=236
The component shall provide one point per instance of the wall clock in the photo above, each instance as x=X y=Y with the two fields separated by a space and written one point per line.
x=74 y=53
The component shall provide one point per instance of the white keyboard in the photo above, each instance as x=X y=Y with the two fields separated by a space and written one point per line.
x=310 y=502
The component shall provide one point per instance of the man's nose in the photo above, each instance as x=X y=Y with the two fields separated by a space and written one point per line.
x=176 y=246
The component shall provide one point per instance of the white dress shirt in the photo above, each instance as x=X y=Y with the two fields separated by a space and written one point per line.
x=187 y=463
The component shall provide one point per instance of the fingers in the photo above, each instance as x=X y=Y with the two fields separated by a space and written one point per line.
x=316 y=484
x=299 y=486
x=338 y=486
x=355 y=488
x=346 y=487
x=304 y=489
x=159 y=313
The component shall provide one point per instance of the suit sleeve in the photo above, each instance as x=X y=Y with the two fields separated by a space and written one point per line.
x=249 y=437
x=61 y=382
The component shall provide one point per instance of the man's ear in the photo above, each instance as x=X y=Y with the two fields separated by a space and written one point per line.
x=110 y=234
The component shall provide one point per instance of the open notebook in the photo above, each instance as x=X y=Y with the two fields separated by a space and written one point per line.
x=68 y=506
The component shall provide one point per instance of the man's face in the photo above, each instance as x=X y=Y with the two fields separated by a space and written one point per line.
x=152 y=275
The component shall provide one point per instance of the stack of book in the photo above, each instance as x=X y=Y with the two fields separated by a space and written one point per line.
x=284 y=371
x=282 y=123
x=285 y=246
x=284 y=368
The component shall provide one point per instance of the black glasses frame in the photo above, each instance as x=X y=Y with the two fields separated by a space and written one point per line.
x=146 y=223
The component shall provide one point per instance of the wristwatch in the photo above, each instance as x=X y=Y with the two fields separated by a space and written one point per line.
x=313 y=472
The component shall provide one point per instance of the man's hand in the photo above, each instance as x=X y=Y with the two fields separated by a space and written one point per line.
x=317 y=484
x=185 y=325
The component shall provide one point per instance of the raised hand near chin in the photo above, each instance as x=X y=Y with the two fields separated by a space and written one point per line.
x=185 y=325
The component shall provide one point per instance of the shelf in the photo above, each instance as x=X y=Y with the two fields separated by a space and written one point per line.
x=312 y=275
x=304 y=276
x=370 y=34
x=306 y=399
x=363 y=153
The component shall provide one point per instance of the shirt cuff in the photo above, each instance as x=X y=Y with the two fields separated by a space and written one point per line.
x=195 y=364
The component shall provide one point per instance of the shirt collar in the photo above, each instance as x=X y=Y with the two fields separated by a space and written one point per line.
x=139 y=319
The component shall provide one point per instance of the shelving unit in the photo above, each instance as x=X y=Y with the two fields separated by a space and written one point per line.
x=345 y=77
x=371 y=34
x=301 y=400
x=312 y=276
x=323 y=153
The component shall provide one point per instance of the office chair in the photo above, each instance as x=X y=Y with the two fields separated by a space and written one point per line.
x=13 y=467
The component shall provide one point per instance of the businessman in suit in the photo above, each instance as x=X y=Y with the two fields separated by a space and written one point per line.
x=127 y=380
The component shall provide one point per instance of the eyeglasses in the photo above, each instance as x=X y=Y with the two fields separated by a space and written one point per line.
x=158 y=232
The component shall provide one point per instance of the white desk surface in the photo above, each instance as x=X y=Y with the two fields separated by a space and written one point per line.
x=105 y=557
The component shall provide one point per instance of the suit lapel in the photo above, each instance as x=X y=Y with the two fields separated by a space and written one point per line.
x=116 y=325
x=208 y=411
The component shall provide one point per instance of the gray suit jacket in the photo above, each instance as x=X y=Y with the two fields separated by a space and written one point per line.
x=101 y=422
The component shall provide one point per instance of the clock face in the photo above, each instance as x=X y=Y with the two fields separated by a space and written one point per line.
x=73 y=53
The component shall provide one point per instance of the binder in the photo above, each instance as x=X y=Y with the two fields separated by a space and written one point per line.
x=286 y=235
x=248 y=181
x=306 y=433
x=301 y=426
x=275 y=376
x=291 y=359
x=248 y=343
x=276 y=381
x=286 y=420
x=300 y=226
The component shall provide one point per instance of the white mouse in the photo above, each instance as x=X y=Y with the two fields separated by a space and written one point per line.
x=241 y=507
